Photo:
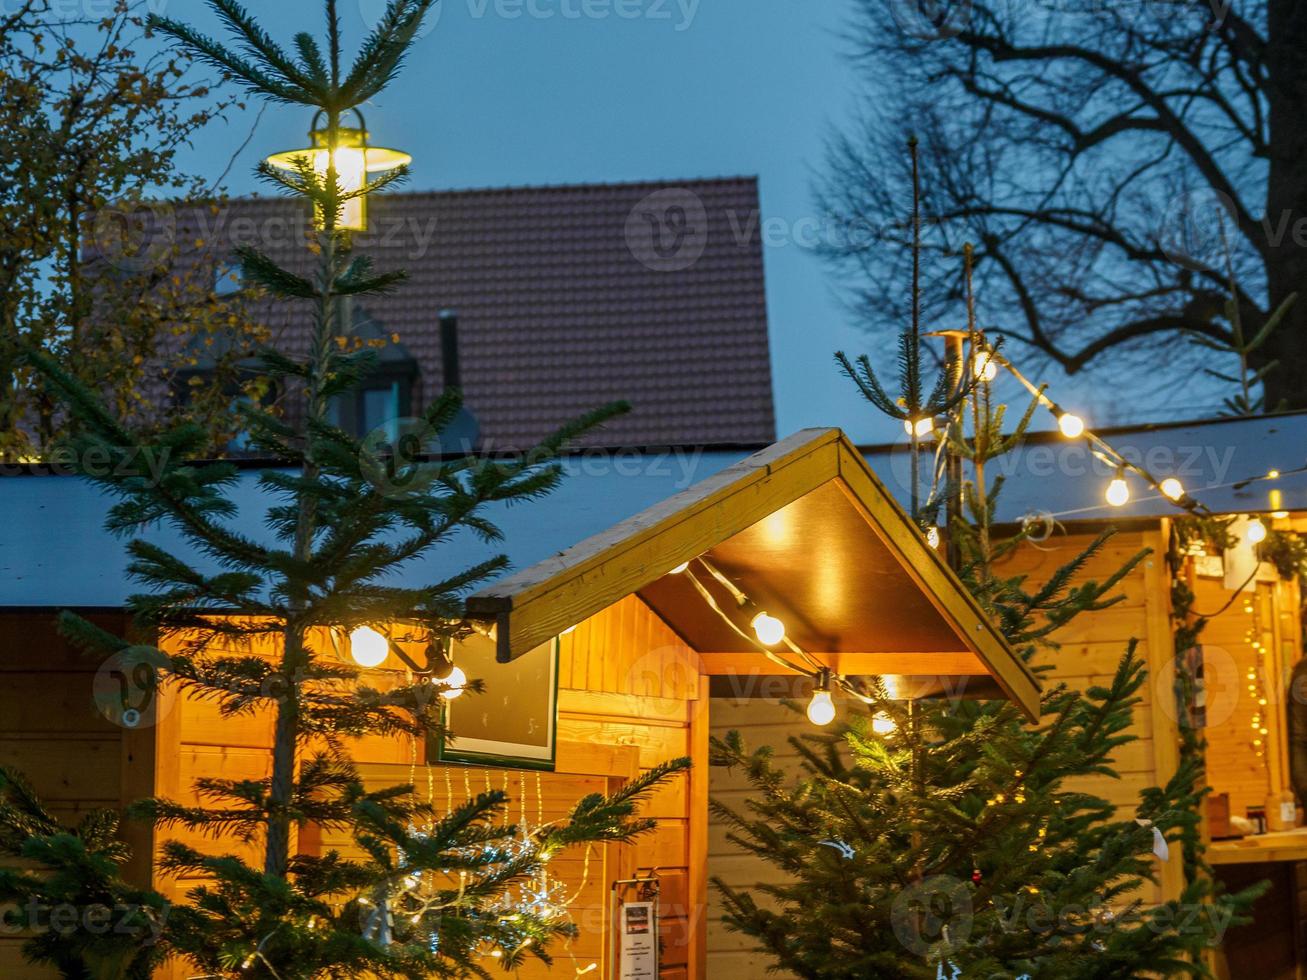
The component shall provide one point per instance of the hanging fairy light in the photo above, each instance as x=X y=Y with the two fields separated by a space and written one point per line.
x=983 y=365
x=1071 y=426
x=443 y=670
x=367 y=647
x=1118 y=491
x=768 y=629
x=883 y=725
x=1255 y=532
x=455 y=684
x=821 y=709
x=1256 y=672
x=932 y=536
x=1172 y=488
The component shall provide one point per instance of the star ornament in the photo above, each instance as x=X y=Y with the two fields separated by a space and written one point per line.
x=845 y=851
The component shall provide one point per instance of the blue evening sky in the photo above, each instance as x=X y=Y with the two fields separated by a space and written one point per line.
x=504 y=92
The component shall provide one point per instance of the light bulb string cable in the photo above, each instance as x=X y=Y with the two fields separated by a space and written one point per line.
x=1230 y=484
x=844 y=683
x=1235 y=595
x=1098 y=445
x=715 y=606
x=746 y=603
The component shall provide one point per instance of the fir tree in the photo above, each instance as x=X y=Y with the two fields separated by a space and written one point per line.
x=955 y=847
x=429 y=897
x=79 y=916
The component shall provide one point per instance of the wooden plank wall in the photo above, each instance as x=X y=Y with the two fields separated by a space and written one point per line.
x=762 y=721
x=1266 y=614
x=629 y=699
x=51 y=731
x=1091 y=648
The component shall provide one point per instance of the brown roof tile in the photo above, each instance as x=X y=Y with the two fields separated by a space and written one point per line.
x=567 y=297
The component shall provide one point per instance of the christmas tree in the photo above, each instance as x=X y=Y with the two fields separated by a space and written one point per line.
x=114 y=931
x=941 y=837
x=432 y=894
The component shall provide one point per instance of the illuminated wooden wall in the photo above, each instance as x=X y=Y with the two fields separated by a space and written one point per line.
x=1091 y=648
x=51 y=731
x=630 y=697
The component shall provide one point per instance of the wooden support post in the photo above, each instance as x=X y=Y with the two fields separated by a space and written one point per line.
x=697 y=897
x=1161 y=664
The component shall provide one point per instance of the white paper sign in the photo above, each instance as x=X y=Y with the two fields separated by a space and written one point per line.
x=637 y=926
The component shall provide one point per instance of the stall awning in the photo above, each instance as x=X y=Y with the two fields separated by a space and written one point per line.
x=805 y=529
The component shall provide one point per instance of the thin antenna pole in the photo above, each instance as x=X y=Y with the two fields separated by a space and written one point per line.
x=916 y=320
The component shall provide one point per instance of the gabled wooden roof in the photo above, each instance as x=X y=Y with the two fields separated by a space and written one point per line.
x=804 y=526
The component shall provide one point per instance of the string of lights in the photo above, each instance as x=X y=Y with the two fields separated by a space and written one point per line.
x=1072 y=426
x=986 y=361
x=769 y=631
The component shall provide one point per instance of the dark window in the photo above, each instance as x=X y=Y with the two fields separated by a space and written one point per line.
x=380 y=402
x=384 y=397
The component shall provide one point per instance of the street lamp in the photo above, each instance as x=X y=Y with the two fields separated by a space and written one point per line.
x=354 y=159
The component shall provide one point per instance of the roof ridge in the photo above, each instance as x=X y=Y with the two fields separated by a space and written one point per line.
x=655 y=183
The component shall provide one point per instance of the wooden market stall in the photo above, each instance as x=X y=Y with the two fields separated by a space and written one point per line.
x=641 y=623
x=1236 y=467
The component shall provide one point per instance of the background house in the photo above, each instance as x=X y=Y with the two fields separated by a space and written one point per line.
x=542 y=303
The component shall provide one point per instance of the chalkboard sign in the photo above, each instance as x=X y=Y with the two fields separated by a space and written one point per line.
x=514 y=721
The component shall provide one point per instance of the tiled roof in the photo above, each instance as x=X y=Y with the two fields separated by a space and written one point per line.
x=567 y=298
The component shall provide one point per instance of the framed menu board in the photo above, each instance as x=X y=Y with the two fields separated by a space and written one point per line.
x=514 y=721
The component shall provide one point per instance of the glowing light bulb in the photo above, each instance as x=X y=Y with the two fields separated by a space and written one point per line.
x=351 y=175
x=455 y=683
x=1255 y=532
x=1172 y=488
x=1071 y=425
x=1273 y=475
x=770 y=630
x=679 y=568
x=983 y=366
x=883 y=724
x=923 y=427
x=368 y=647
x=1118 y=492
x=821 y=709
x=932 y=536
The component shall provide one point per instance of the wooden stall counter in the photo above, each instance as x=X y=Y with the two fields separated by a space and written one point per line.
x=1282 y=845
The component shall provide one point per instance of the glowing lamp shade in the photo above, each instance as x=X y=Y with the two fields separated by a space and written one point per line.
x=1118 y=492
x=1070 y=425
x=1255 y=532
x=1172 y=488
x=922 y=427
x=769 y=629
x=455 y=683
x=821 y=709
x=368 y=647
x=354 y=159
